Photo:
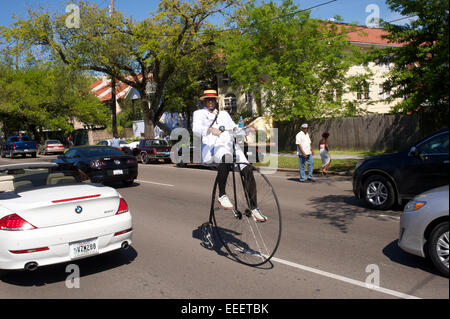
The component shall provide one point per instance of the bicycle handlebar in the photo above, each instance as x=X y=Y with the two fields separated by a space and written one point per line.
x=236 y=132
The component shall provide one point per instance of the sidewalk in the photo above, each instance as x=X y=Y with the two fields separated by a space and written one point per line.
x=317 y=156
x=349 y=157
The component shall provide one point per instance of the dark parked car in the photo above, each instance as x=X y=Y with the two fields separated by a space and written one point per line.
x=101 y=164
x=22 y=145
x=388 y=179
x=253 y=153
x=150 y=150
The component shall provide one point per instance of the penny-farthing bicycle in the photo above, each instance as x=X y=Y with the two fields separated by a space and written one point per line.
x=247 y=240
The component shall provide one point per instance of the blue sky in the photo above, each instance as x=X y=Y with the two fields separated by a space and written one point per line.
x=352 y=11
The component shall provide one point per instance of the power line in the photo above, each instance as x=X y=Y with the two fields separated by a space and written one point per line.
x=284 y=16
x=246 y=27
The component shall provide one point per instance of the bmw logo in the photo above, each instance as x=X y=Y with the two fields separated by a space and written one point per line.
x=78 y=210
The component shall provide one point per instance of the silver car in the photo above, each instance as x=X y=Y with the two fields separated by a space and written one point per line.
x=424 y=227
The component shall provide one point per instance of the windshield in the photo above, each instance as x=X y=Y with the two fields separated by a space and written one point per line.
x=21 y=139
x=53 y=142
x=156 y=143
x=25 y=179
x=100 y=151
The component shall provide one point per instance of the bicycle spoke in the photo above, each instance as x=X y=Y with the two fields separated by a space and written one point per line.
x=249 y=241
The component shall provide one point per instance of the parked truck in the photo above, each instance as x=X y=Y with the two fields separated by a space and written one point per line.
x=16 y=145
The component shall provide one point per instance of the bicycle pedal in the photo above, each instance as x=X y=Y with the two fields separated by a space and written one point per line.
x=237 y=214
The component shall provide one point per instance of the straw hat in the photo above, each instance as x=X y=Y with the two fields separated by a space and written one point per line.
x=208 y=94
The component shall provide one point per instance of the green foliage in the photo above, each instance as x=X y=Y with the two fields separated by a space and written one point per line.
x=289 y=60
x=420 y=75
x=47 y=96
x=133 y=52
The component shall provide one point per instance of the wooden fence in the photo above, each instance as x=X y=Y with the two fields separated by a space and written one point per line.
x=374 y=132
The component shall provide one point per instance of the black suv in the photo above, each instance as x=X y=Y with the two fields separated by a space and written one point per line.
x=389 y=179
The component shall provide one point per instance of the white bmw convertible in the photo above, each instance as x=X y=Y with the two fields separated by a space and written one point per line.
x=49 y=216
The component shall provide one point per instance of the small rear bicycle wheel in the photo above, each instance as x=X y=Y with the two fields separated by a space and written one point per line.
x=248 y=241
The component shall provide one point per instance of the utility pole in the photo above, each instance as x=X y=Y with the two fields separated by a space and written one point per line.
x=113 y=85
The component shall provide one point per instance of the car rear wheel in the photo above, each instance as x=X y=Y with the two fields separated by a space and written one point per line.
x=144 y=158
x=438 y=247
x=128 y=183
x=378 y=192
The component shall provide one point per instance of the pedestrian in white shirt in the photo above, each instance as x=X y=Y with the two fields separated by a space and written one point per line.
x=212 y=126
x=115 y=141
x=305 y=153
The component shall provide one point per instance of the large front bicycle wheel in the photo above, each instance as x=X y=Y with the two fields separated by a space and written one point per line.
x=250 y=242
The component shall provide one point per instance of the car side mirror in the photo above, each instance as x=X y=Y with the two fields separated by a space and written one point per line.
x=416 y=153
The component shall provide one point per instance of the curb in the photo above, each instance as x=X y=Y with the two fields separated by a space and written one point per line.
x=316 y=171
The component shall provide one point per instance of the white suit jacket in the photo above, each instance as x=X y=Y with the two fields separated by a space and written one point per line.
x=215 y=147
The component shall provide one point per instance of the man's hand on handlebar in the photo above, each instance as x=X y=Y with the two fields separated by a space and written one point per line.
x=214 y=131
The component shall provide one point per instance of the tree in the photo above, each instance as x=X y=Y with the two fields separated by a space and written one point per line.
x=420 y=76
x=47 y=97
x=297 y=65
x=135 y=53
x=197 y=74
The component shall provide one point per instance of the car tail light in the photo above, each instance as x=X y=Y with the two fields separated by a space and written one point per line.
x=123 y=207
x=98 y=164
x=14 y=222
x=123 y=232
x=131 y=161
x=37 y=145
x=14 y=146
x=27 y=251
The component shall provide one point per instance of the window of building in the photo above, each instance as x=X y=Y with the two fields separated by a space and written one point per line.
x=230 y=103
x=248 y=98
x=363 y=94
x=335 y=94
x=226 y=80
x=383 y=94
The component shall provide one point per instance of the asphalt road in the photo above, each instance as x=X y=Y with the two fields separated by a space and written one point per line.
x=330 y=247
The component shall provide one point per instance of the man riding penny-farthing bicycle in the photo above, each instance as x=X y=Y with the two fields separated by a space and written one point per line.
x=243 y=222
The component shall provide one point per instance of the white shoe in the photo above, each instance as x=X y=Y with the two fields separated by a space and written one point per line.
x=257 y=216
x=225 y=202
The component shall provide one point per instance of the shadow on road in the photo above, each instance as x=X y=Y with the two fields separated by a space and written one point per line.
x=57 y=273
x=229 y=237
x=341 y=210
x=399 y=256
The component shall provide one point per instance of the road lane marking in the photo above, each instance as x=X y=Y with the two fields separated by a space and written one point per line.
x=345 y=279
x=155 y=183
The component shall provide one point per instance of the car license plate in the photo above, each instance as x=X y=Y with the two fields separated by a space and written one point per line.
x=25 y=150
x=84 y=248
x=117 y=172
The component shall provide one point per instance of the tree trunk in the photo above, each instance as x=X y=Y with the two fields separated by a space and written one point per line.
x=149 y=126
x=113 y=106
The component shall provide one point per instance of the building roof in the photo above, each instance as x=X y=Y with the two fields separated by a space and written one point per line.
x=102 y=88
x=369 y=36
x=363 y=36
